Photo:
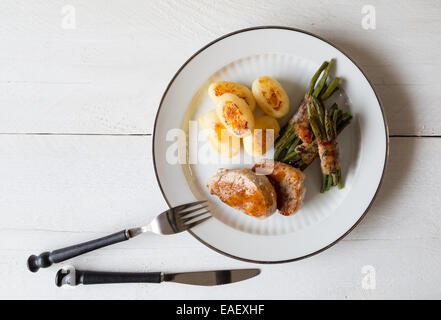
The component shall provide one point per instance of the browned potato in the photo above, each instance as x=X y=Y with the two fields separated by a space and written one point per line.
x=270 y=96
x=218 y=136
x=217 y=89
x=235 y=115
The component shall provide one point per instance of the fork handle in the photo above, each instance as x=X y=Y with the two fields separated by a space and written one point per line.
x=46 y=259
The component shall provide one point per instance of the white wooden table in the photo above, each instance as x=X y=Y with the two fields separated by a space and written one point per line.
x=77 y=105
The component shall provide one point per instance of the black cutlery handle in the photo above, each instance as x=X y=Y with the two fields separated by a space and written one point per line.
x=46 y=259
x=99 y=277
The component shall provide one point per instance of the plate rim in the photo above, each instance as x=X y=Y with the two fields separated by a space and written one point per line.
x=386 y=127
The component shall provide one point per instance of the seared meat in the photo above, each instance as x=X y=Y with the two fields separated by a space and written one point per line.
x=307 y=152
x=244 y=190
x=300 y=121
x=329 y=156
x=287 y=181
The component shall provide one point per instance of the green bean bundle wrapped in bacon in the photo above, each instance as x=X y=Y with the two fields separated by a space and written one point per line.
x=324 y=125
x=299 y=126
x=296 y=145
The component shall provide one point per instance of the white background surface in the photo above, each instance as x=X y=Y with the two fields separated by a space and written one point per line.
x=76 y=114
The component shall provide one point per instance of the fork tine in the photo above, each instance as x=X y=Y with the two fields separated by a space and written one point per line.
x=188 y=205
x=186 y=213
x=193 y=224
x=195 y=216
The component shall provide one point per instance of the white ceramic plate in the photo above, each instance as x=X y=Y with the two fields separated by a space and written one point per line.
x=291 y=56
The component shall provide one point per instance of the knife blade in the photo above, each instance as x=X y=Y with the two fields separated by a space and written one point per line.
x=70 y=276
x=211 y=278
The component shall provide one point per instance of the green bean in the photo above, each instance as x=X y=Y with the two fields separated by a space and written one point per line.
x=288 y=127
x=312 y=115
x=284 y=144
x=328 y=127
x=343 y=116
x=340 y=183
x=343 y=125
x=290 y=153
x=328 y=186
x=293 y=145
x=278 y=154
x=322 y=81
x=330 y=90
x=291 y=156
x=333 y=108
x=315 y=77
x=317 y=119
x=315 y=128
x=323 y=90
x=319 y=108
x=286 y=133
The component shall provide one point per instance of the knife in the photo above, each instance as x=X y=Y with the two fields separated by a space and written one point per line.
x=73 y=277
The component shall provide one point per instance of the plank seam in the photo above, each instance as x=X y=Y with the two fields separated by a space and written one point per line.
x=75 y=134
x=413 y=136
x=150 y=134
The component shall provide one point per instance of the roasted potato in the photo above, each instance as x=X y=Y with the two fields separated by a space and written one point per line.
x=270 y=96
x=256 y=143
x=235 y=115
x=217 y=89
x=218 y=136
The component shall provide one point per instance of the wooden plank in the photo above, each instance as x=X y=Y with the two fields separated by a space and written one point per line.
x=404 y=269
x=77 y=183
x=108 y=74
x=58 y=190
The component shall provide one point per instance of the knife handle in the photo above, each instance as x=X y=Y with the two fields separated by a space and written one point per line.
x=99 y=277
x=46 y=259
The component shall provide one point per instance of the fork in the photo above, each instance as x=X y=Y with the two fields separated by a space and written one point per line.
x=174 y=220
